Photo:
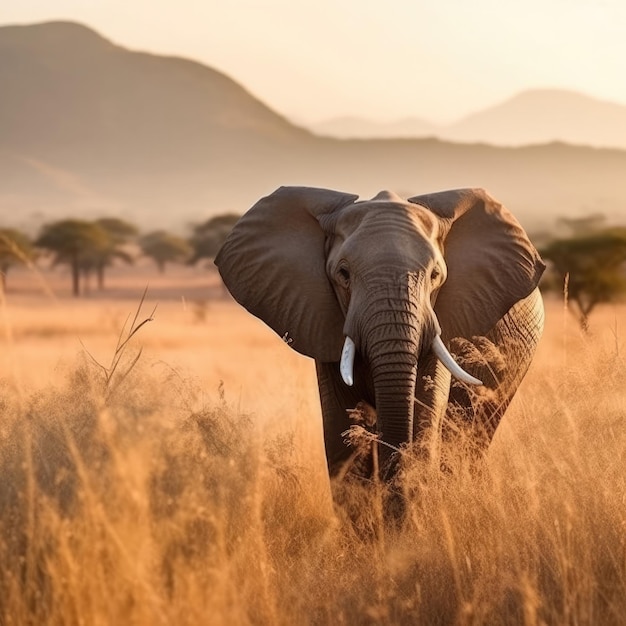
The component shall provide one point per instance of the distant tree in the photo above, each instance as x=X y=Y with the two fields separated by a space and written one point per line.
x=585 y=225
x=595 y=266
x=207 y=238
x=120 y=233
x=15 y=249
x=73 y=242
x=164 y=248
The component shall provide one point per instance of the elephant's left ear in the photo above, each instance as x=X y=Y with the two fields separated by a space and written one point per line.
x=273 y=263
x=491 y=262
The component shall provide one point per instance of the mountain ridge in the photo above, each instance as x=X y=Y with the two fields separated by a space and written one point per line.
x=555 y=115
x=89 y=128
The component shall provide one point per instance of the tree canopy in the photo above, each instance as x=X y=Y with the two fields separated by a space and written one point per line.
x=164 y=247
x=207 y=238
x=594 y=265
x=119 y=232
x=73 y=242
x=87 y=246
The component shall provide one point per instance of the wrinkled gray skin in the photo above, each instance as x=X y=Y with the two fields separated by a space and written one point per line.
x=317 y=265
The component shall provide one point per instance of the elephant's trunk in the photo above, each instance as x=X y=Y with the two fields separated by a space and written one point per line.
x=391 y=330
x=394 y=385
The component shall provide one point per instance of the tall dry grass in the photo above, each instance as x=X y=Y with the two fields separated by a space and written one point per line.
x=159 y=504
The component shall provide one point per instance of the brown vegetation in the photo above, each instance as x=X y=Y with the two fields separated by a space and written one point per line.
x=196 y=491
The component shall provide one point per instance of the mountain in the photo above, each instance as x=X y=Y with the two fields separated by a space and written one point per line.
x=531 y=117
x=89 y=128
x=82 y=117
x=357 y=127
x=95 y=91
x=545 y=115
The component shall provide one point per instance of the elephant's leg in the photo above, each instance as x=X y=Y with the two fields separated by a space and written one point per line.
x=500 y=360
x=336 y=400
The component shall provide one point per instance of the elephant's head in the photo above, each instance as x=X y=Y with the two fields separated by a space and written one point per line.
x=386 y=276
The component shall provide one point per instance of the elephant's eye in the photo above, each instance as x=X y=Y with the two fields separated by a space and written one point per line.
x=344 y=274
x=435 y=274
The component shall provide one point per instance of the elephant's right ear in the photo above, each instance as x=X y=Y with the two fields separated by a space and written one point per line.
x=491 y=262
x=273 y=263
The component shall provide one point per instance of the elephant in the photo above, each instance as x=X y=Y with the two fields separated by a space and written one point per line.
x=380 y=293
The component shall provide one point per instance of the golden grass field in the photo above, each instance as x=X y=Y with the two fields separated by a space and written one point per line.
x=192 y=488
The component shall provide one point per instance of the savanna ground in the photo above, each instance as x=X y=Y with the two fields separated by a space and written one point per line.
x=190 y=487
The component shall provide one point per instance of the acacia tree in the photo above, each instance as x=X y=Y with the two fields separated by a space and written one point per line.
x=207 y=238
x=119 y=233
x=164 y=247
x=594 y=264
x=15 y=249
x=73 y=242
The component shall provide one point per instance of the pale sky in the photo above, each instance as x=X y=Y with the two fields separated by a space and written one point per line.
x=378 y=59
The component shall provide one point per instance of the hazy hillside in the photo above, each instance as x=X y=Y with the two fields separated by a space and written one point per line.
x=541 y=116
x=531 y=117
x=66 y=88
x=88 y=127
x=360 y=128
x=91 y=123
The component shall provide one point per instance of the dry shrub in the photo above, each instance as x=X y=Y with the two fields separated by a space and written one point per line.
x=148 y=506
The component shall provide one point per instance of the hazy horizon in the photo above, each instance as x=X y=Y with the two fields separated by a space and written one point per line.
x=437 y=61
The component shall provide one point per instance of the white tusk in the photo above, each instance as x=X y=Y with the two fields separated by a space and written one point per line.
x=347 y=362
x=450 y=364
